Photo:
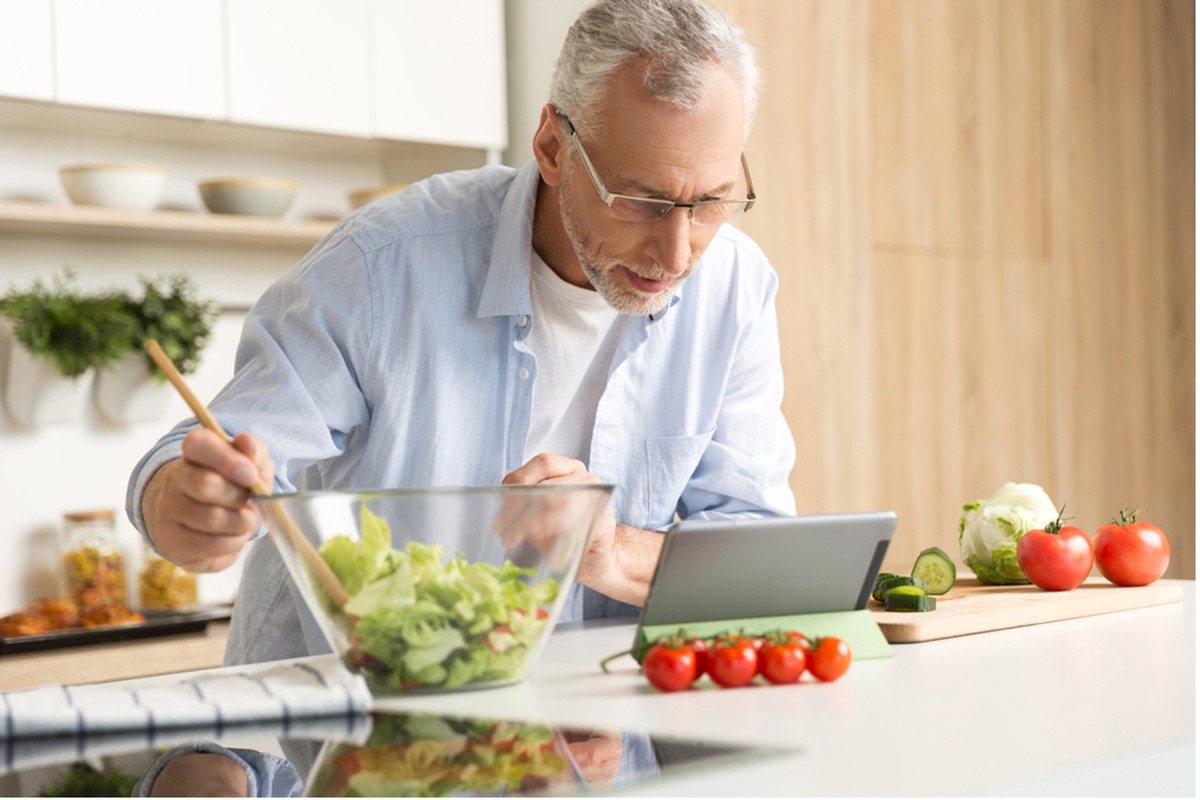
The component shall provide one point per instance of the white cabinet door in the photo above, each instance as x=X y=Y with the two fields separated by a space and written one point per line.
x=301 y=64
x=157 y=56
x=26 y=53
x=439 y=71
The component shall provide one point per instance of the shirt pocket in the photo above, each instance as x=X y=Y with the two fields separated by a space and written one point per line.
x=670 y=463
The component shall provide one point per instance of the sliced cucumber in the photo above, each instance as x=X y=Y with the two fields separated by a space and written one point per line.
x=935 y=569
x=880 y=578
x=897 y=601
x=889 y=584
x=909 y=589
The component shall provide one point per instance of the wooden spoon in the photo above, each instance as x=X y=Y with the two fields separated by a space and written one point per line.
x=329 y=581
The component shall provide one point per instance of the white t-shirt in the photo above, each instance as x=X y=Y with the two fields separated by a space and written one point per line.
x=574 y=336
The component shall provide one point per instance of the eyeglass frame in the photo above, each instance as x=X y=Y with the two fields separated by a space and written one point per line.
x=608 y=197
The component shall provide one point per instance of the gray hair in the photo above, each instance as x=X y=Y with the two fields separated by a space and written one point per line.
x=680 y=39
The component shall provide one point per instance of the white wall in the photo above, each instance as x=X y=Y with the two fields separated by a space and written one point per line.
x=535 y=31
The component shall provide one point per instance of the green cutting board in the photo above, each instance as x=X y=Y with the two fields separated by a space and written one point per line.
x=856 y=628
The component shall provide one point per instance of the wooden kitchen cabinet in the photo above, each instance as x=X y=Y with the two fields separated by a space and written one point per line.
x=439 y=72
x=155 y=56
x=300 y=64
x=26 y=50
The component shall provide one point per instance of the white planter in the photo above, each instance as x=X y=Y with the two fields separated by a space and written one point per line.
x=37 y=395
x=126 y=391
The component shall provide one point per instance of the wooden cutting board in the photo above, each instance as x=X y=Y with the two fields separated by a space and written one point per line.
x=971 y=607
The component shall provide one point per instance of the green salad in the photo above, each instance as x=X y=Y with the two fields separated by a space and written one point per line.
x=418 y=622
x=418 y=755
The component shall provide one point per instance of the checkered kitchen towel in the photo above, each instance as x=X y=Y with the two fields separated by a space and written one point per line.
x=281 y=691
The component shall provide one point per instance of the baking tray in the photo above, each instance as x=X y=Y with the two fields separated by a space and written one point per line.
x=158 y=623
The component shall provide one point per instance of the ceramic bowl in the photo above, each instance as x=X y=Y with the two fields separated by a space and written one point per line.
x=448 y=589
x=136 y=187
x=360 y=197
x=256 y=197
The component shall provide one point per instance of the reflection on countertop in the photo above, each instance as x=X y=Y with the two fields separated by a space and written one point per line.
x=382 y=755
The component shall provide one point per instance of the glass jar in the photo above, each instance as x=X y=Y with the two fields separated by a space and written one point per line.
x=93 y=566
x=164 y=586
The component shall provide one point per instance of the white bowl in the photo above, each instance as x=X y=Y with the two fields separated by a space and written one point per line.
x=360 y=197
x=257 y=197
x=137 y=187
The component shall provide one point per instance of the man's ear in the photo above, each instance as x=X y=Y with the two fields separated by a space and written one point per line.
x=549 y=146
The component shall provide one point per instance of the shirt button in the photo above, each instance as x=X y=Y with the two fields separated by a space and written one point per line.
x=522 y=320
x=523 y=374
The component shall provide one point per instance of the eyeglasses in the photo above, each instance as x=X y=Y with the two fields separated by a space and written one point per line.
x=646 y=210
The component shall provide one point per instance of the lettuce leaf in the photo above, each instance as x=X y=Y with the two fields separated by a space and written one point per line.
x=424 y=620
x=357 y=562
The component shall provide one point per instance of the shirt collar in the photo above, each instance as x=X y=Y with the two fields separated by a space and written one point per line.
x=506 y=288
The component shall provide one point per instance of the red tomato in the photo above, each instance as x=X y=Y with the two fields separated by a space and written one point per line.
x=700 y=648
x=1131 y=553
x=829 y=658
x=733 y=662
x=781 y=662
x=1057 y=557
x=800 y=639
x=669 y=668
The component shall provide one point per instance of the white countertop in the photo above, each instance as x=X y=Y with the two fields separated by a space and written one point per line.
x=1097 y=706
x=1101 y=705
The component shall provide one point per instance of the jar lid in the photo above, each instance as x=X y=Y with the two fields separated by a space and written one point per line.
x=95 y=515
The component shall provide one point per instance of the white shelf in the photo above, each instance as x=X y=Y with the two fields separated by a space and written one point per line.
x=176 y=226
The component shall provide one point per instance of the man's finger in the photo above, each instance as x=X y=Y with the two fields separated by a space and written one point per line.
x=202 y=485
x=544 y=467
x=205 y=448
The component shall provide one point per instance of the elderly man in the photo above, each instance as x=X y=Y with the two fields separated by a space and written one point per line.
x=589 y=316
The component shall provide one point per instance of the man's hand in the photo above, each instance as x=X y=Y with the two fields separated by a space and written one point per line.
x=197 y=508
x=548 y=468
x=598 y=756
x=619 y=561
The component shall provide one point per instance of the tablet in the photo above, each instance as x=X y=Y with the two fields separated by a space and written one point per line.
x=749 y=568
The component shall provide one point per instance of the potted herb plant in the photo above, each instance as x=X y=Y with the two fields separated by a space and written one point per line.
x=132 y=389
x=60 y=334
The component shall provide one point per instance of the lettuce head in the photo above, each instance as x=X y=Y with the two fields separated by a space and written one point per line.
x=989 y=530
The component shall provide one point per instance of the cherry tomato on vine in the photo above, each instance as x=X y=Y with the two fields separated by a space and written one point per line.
x=1131 y=553
x=781 y=661
x=799 y=638
x=700 y=648
x=670 y=666
x=732 y=662
x=828 y=658
x=1057 y=557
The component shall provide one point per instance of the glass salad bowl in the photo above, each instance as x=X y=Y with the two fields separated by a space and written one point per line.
x=436 y=590
x=427 y=755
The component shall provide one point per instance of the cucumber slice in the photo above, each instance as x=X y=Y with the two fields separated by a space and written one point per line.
x=880 y=578
x=895 y=601
x=935 y=569
x=913 y=591
x=889 y=584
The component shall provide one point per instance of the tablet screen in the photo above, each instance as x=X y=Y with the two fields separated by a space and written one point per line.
x=741 y=569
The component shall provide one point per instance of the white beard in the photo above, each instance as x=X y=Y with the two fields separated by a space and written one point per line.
x=601 y=272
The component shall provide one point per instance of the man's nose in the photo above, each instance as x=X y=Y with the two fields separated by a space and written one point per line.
x=671 y=241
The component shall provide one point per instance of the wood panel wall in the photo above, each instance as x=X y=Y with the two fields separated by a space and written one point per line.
x=982 y=213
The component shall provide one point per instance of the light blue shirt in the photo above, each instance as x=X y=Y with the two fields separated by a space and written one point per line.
x=393 y=354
